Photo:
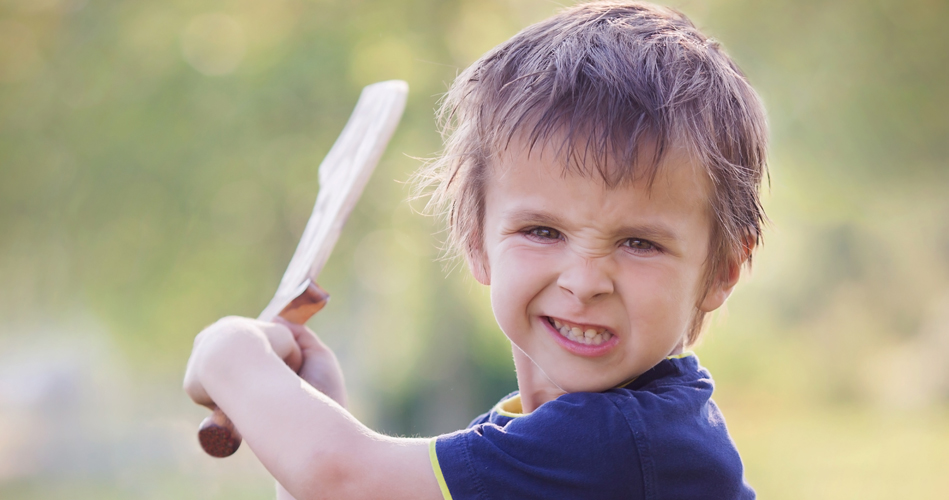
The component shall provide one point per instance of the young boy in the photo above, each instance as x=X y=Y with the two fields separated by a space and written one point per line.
x=601 y=175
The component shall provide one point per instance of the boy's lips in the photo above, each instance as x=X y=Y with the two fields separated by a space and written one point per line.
x=585 y=340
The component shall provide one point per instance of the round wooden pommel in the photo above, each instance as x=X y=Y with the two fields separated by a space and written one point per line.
x=218 y=436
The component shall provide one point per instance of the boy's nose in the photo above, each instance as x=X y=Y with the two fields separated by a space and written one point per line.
x=587 y=279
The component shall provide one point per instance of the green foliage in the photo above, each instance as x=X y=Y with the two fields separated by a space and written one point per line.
x=158 y=162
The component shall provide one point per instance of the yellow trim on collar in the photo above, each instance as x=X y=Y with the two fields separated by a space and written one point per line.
x=437 y=469
x=510 y=407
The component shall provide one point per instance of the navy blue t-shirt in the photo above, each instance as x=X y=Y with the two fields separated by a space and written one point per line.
x=659 y=437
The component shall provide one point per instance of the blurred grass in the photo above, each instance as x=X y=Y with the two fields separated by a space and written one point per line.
x=157 y=165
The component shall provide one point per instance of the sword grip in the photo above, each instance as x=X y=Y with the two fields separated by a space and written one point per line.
x=217 y=434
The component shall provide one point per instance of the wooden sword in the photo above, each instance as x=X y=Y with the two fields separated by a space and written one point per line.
x=343 y=176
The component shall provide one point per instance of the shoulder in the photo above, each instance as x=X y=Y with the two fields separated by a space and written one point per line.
x=591 y=422
x=577 y=446
x=563 y=411
x=659 y=437
x=672 y=389
x=681 y=434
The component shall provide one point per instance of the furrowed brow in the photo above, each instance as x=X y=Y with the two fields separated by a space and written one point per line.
x=657 y=232
x=531 y=217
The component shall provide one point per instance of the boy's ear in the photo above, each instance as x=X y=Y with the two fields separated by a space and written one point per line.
x=724 y=284
x=478 y=265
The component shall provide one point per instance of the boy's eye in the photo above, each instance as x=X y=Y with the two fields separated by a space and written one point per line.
x=543 y=233
x=639 y=245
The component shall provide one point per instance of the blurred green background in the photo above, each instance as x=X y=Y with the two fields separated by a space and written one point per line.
x=158 y=164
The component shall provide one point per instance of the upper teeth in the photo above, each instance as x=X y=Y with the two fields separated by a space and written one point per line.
x=590 y=336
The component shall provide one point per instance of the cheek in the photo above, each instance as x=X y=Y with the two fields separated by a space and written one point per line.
x=517 y=278
x=658 y=295
x=509 y=310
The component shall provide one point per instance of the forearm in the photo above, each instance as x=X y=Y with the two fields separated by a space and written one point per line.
x=310 y=444
x=283 y=494
x=276 y=412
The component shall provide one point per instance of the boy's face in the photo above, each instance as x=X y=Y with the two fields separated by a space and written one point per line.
x=595 y=285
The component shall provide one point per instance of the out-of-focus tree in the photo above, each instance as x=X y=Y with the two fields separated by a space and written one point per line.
x=158 y=162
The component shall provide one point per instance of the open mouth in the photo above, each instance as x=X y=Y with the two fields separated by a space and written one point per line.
x=580 y=334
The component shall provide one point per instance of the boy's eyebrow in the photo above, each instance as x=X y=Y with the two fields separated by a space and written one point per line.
x=532 y=217
x=646 y=231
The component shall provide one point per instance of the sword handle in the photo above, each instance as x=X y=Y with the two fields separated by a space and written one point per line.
x=217 y=434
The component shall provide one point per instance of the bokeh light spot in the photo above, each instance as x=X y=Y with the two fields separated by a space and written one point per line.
x=213 y=44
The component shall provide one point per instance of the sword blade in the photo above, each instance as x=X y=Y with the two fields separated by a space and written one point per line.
x=343 y=176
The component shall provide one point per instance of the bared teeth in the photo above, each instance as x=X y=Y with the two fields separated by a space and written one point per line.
x=590 y=336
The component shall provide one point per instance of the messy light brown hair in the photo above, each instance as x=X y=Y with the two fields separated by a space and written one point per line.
x=611 y=86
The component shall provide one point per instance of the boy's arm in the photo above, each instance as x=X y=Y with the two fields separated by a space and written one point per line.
x=319 y=368
x=308 y=442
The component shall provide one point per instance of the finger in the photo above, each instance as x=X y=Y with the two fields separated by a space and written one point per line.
x=305 y=338
x=192 y=386
x=283 y=343
x=196 y=392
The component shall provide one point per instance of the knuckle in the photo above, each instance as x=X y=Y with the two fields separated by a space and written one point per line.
x=230 y=321
x=232 y=324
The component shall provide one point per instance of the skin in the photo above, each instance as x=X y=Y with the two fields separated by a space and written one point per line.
x=627 y=260
x=312 y=446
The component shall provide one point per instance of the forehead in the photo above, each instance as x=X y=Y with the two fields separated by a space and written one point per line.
x=675 y=179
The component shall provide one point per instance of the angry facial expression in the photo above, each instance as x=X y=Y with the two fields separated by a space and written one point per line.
x=594 y=285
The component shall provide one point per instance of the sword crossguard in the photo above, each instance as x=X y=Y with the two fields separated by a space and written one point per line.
x=308 y=303
x=217 y=434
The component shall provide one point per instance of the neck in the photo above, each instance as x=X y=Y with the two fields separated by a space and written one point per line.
x=532 y=383
x=536 y=388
